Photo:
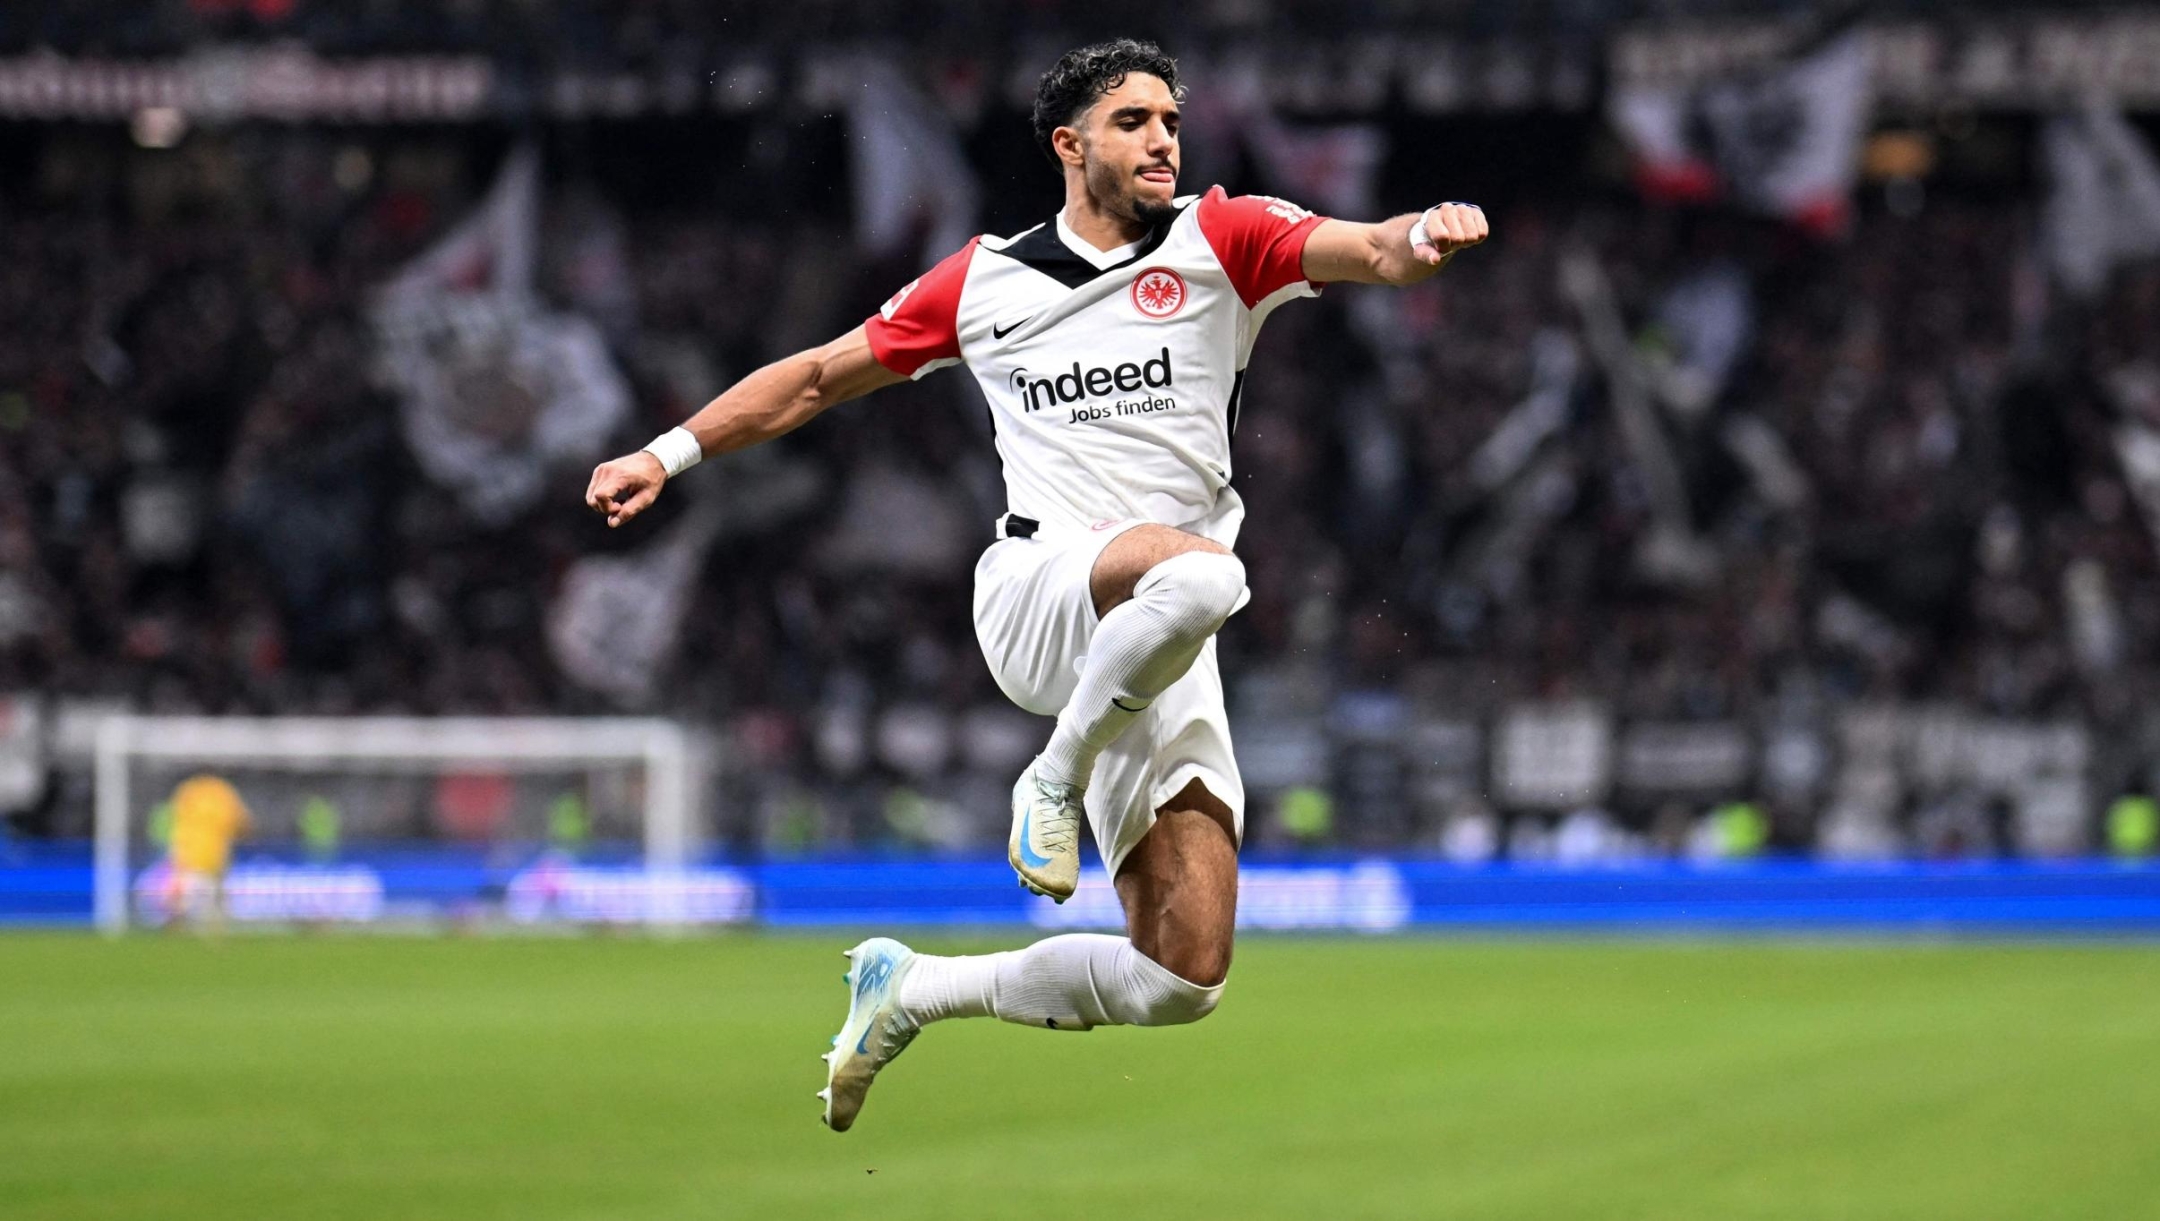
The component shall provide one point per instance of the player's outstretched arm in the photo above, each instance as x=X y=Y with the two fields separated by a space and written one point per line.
x=778 y=398
x=1396 y=251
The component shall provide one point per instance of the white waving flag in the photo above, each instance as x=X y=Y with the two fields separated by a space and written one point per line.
x=1672 y=161
x=2104 y=205
x=1331 y=168
x=494 y=393
x=908 y=169
x=617 y=618
x=1783 y=143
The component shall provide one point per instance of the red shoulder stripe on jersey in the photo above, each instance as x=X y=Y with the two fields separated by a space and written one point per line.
x=1259 y=240
x=922 y=321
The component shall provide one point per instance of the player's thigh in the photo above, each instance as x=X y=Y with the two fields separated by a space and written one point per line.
x=1132 y=553
x=1178 y=886
x=1033 y=618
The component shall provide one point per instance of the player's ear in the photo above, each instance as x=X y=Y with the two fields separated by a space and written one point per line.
x=1070 y=146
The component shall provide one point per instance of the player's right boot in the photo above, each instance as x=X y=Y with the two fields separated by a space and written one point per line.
x=1045 y=845
x=875 y=1032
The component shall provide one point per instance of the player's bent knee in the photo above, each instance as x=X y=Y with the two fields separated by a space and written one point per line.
x=1201 y=965
x=1188 y=1012
x=1175 y=999
x=1184 y=1005
x=1202 y=587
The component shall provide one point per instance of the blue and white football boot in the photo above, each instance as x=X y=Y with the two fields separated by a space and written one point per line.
x=1045 y=845
x=876 y=1030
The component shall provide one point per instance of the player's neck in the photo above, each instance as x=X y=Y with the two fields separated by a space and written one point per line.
x=1099 y=228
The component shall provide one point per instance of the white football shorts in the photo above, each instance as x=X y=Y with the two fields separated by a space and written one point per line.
x=1034 y=616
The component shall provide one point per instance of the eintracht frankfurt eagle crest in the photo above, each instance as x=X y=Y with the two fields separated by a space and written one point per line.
x=1158 y=292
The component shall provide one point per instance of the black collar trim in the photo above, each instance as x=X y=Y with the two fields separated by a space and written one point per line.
x=1043 y=250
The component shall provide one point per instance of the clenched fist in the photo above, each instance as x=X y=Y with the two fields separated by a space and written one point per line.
x=624 y=487
x=1448 y=228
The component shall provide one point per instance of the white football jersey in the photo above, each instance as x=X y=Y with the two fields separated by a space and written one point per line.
x=1113 y=376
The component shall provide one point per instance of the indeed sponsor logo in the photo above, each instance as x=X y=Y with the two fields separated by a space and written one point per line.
x=1080 y=384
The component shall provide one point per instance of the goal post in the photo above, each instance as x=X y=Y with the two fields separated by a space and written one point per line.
x=660 y=748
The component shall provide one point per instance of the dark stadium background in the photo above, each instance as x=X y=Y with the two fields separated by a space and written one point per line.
x=187 y=338
x=1751 y=595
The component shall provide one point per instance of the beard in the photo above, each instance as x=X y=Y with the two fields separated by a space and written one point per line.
x=1114 y=189
x=1154 y=215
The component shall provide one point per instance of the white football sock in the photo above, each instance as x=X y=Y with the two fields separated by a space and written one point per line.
x=1070 y=982
x=1139 y=649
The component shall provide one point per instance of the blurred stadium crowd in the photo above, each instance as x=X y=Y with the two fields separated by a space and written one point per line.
x=553 y=32
x=1672 y=530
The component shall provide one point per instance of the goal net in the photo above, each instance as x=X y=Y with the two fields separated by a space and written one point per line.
x=404 y=820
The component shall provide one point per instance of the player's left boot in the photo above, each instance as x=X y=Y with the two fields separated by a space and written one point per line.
x=1044 y=848
x=876 y=1030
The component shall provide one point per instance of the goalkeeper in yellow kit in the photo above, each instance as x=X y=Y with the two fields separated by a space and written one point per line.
x=208 y=816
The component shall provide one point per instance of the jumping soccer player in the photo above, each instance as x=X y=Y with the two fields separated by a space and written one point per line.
x=1112 y=344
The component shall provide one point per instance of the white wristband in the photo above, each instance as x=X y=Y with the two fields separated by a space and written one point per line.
x=1418 y=236
x=677 y=450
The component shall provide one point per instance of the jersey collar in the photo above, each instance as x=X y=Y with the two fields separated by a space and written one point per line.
x=1100 y=260
x=1057 y=252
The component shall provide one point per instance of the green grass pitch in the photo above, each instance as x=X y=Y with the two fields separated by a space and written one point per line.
x=624 y=1079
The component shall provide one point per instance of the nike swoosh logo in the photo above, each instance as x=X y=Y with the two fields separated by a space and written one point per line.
x=1028 y=855
x=872 y=976
x=1000 y=332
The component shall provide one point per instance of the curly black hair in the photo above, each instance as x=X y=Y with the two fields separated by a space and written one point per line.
x=1082 y=75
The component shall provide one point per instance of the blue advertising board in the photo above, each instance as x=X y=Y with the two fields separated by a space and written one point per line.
x=50 y=884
